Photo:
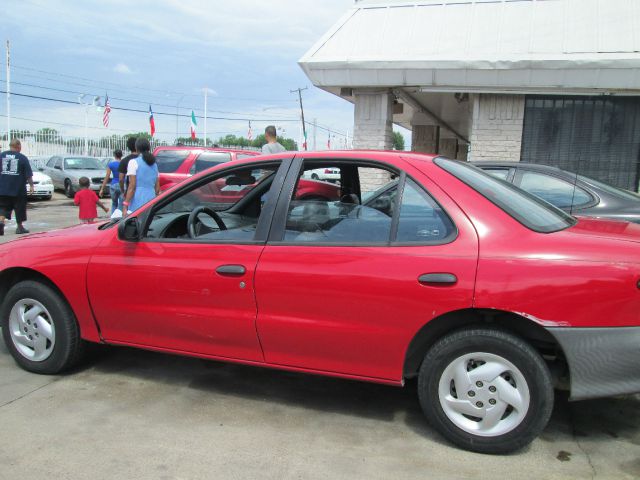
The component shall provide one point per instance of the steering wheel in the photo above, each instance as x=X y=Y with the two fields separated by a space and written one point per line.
x=191 y=222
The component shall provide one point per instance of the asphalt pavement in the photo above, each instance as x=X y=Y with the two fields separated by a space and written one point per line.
x=129 y=413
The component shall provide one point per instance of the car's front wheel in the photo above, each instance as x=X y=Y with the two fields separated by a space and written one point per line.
x=68 y=189
x=39 y=328
x=485 y=390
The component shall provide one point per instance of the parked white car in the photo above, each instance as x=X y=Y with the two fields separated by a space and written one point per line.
x=42 y=186
x=324 y=174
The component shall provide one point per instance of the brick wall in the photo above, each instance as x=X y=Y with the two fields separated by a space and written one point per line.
x=496 y=132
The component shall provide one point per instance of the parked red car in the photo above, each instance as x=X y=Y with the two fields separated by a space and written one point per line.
x=425 y=267
x=177 y=164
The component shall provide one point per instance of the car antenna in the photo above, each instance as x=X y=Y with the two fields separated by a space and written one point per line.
x=575 y=185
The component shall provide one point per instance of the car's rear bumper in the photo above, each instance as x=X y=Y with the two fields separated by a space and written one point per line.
x=603 y=362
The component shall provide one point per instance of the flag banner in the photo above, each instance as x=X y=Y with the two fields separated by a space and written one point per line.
x=329 y=142
x=152 y=123
x=249 y=133
x=194 y=124
x=107 y=111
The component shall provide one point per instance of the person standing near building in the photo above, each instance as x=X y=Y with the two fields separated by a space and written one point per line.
x=143 y=177
x=112 y=177
x=15 y=173
x=124 y=163
x=272 y=146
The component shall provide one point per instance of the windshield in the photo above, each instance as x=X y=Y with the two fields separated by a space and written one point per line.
x=82 y=163
x=170 y=160
x=611 y=189
x=531 y=211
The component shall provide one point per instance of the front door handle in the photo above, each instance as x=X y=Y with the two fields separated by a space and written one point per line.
x=231 y=270
x=438 y=279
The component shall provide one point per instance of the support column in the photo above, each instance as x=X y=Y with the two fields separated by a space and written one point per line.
x=496 y=131
x=373 y=117
x=425 y=138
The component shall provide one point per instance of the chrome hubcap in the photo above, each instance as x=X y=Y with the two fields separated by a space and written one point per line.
x=32 y=329
x=484 y=394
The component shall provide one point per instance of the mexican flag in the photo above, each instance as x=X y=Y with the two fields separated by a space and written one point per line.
x=193 y=125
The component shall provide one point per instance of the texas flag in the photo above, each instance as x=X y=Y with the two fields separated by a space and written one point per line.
x=152 y=123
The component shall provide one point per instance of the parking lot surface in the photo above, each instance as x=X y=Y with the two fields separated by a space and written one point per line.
x=133 y=414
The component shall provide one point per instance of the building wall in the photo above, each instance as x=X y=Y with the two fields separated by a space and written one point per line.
x=496 y=130
x=373 y=115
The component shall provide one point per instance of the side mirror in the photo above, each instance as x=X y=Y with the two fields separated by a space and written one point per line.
x=129 y=229
x=41 y=169
x=58 y=167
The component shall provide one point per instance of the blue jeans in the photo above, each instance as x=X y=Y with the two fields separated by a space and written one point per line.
x=116 y=197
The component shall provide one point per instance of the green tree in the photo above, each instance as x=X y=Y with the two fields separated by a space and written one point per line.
x=398 y=141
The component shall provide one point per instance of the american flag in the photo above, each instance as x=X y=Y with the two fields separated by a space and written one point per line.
x=107 y=111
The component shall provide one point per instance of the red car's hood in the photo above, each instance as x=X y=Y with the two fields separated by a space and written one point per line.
x=613 y=229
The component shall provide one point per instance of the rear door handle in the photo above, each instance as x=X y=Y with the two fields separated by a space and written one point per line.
x=438 y=279
x=231 y=270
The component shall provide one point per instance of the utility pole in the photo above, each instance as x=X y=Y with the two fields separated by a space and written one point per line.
x=206 y=92
x=315 y=133
x=177 y=107
x=304 y=128
x=8 y=95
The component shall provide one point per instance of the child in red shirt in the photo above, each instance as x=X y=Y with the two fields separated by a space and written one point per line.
x=87 y=200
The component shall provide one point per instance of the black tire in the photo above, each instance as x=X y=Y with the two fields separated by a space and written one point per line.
x=526 y=424
x=48 y=197
x=68 y=189
x=314 y=176
x=68 y=347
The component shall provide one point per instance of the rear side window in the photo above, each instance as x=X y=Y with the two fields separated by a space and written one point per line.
x=208 y=160
x=529 y=210
x=170 y=160
x=422 y=220
x=554 y=190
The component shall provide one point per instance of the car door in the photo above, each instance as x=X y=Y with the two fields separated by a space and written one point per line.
x=54 y=172
x=187 y=293
x=343 y=286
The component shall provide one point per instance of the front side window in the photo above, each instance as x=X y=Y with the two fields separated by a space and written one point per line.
x=554 y=190
x=226 y=207
x=51 y=162
x=169 y=161
x=529 y=210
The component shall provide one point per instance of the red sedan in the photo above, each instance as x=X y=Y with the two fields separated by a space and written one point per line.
x=425 y=267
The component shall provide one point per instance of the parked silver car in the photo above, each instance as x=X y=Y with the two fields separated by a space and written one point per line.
x=66 y=171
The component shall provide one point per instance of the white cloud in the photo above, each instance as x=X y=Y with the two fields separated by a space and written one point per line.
x=122 y=68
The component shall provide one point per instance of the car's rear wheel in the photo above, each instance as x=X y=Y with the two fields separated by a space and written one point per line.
x=68 y=188
x=485 y=390
x=314 y=176
x=39 y=328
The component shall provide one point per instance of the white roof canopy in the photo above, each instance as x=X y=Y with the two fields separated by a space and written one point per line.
x=527 y=46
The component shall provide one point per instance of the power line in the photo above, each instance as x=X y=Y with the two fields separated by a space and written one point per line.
x=118 y=98
x=244 y=119
x=105 y=85
x=253 y=119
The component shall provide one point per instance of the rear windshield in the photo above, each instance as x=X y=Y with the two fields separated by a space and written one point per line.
x=170 y=160
x=531 y=211
x=611 y=189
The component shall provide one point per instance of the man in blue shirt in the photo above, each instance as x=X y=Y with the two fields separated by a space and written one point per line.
x=15 y=173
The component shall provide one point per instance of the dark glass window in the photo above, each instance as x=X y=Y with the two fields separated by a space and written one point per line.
x=170 y=160
x=529 y=210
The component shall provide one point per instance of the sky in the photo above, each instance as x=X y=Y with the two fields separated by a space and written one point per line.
x=164 y=53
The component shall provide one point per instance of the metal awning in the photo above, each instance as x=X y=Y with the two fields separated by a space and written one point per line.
x=498 y=46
